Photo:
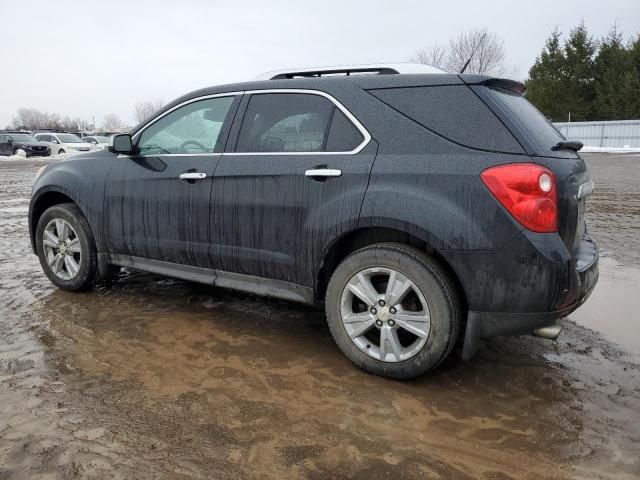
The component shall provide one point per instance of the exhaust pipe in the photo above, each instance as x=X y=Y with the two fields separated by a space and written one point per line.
x=550 y=333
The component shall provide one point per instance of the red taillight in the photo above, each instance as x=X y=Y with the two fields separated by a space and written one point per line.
x=528 y=192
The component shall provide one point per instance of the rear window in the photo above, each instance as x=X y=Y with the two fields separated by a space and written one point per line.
x=454 y=112
x=529 y=122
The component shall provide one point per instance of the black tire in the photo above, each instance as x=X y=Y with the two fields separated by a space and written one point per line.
x=434 y=283
x=60 y=151
x=88 y=271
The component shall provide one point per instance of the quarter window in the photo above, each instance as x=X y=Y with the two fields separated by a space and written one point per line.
x=343 y=135
x=295 y=122
x=192 y=129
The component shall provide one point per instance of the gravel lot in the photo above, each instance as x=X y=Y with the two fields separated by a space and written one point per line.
x=156 y=378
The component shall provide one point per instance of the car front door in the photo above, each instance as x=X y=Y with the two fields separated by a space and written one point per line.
x=157 y=201
x=295 y=179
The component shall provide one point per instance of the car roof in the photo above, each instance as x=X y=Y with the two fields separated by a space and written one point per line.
x=323 y=83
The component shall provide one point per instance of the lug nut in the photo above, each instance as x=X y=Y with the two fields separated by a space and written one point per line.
x=391 y=323
x=373 y=310
x=379 y=323
x=392 y=310
x=381 y=303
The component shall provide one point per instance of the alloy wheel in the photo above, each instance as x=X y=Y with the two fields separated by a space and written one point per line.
x=62 y=249
x=385 y=314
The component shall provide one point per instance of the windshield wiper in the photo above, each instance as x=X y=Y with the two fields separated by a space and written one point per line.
x=568 y=145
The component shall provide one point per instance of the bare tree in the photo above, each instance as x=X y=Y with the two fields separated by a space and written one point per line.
x=112 y=122
x=145 y=109
x=489 y=56
x=31 y=119
x=435 y=55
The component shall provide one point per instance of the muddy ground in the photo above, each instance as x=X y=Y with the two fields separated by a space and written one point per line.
x=157 y=378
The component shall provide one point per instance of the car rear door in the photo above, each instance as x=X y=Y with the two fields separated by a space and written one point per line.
x=157 y=202
x=294 y=180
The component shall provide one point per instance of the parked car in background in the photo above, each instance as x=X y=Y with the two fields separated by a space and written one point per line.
x=98 y=141
x=14 y=143
x=63 y=142
x=422 y=211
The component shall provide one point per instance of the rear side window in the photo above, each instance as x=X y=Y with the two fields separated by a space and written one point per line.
x=295 y=122
x=454 y=112
x=284 y=122
x=529 y=122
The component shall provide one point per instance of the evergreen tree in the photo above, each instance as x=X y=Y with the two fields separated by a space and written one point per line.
x=611 y=66
x=547 y=85
x=630 y=82
x=579 y=50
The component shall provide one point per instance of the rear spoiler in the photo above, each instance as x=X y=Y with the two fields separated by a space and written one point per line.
x=505 y=83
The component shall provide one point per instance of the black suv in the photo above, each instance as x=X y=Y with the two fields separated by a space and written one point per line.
x=12 y=143
x=423 y=211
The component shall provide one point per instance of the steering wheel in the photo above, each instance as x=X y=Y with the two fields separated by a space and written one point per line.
x=196 y=144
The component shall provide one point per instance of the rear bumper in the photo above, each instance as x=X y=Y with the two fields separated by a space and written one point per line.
x=556 y=294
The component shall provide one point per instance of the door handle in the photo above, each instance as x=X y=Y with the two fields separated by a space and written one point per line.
x=192 y=176
x=323 y=172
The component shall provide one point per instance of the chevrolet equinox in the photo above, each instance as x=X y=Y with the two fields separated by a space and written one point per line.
x=423 y=211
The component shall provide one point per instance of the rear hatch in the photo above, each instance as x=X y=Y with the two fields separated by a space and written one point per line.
x=540 y=139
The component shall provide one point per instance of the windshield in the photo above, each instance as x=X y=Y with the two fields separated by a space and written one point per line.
x=529 y=121
x=102 y=139
x=69 y=138
x=22 y=137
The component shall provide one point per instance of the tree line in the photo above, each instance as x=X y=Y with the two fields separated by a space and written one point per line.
x=585 y=78
x=34 y=119
x=578 y=77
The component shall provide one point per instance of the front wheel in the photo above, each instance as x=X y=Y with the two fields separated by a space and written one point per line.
x=393 y=310
x=66 y=247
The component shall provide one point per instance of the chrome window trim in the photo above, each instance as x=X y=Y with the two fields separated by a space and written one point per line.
x=363 y=131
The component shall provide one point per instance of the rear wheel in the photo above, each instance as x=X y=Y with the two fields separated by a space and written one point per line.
x=60 y=151
x=393 y=311
x=66 y=247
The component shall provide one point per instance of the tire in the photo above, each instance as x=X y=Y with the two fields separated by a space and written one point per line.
x=437 y=323
x=84 y=274
x=61 y=151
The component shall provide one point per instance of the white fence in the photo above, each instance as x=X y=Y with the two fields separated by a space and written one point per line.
x=618 y=133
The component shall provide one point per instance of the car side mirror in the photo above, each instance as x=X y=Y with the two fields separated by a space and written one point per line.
x=9 y=140
x=121 y=143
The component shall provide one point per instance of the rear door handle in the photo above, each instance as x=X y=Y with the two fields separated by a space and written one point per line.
x=323 y=172
x=192 y=176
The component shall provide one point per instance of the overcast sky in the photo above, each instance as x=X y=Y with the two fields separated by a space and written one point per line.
x=89 y=59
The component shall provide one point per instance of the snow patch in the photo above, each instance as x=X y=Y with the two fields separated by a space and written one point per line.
x=23 y=156
x=625 y=149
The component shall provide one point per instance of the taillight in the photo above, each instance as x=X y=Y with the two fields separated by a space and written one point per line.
x=528 y=192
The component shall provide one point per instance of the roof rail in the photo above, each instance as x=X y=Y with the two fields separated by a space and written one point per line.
x=371 y=69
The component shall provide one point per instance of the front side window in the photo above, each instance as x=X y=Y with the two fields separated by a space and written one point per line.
x=285 y=122
x=191 y=129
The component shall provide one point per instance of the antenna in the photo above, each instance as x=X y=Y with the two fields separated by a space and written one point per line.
x=475 y=49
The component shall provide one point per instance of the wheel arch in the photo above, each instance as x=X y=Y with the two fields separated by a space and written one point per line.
x=39 y=205
x=359 y=238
